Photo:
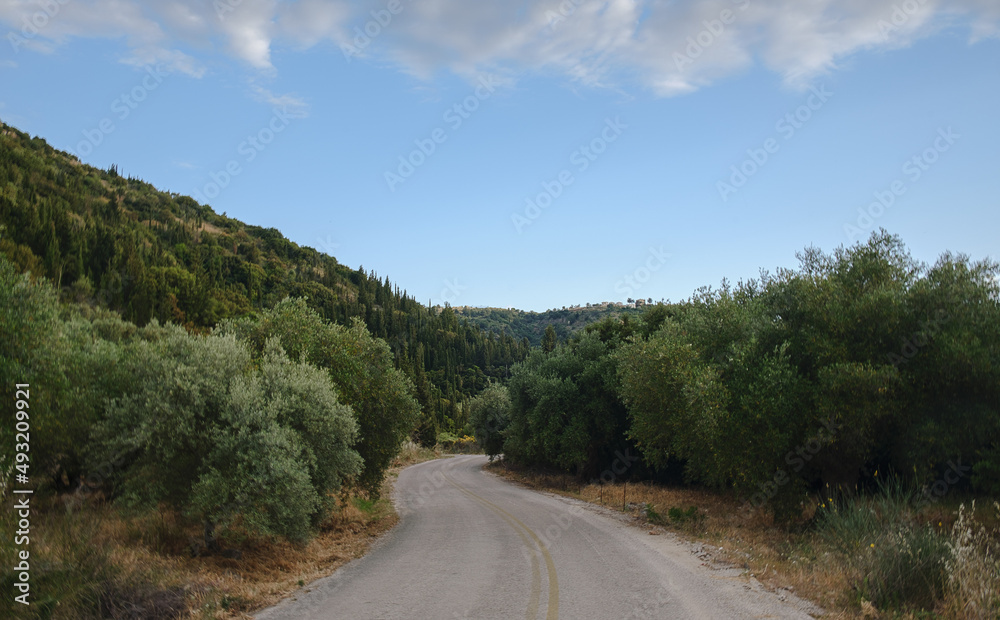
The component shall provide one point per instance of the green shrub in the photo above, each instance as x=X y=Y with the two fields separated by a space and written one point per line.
x=489 y=415
x=653 y=516
x=564 y=408
x=680 y=516
x=895 y=562
x=361 y=368
x=208 y=433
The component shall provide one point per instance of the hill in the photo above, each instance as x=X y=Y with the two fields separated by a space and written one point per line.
x=118 y=242
x=521 y=324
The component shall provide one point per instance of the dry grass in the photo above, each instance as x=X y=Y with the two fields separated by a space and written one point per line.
x=793 y=557
x=130 y=566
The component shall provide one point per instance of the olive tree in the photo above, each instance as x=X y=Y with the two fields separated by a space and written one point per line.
x=203 y=429
x=489 y=416
x=360 y=366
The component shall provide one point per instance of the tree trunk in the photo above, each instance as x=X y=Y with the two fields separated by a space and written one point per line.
x=210 y=542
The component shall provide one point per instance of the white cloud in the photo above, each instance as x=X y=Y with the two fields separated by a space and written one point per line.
x=294 y=106
x=667 y=46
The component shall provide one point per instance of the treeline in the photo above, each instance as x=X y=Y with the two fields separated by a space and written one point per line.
x=531 y=326
x=117 y=242
x=264 y=420
x=858 y=362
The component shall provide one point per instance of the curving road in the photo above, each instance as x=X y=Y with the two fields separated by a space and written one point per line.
x=472 y=546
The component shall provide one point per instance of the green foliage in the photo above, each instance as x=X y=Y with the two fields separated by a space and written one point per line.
x=860 y=359
x=531 y=326
x=549 y=340
x=565 y=411
x=203 y=430
x=674 y=399
x=653 y=516
x=986 y=473
x=680 y=516
x=108 y=241
x=896 y=563
x=361 y=368
x=489 y=416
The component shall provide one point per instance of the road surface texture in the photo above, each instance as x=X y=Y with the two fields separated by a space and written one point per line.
x=470 y=545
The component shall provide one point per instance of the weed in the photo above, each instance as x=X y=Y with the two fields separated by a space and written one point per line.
x=973 y=586
x=653 y=516
x=894 y=563
x=681 y=517
x=365 y=505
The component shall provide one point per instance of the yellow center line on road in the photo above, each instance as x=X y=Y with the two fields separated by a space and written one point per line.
x=553 y=607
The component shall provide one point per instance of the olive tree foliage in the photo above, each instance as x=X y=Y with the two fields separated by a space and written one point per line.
x=859 y=360
x=203 y=429
x=30 y=333
x=564 y=408
x=28 y=323
x=69 y=366
x=360 y=366
x=705 y=390
x=489 y=414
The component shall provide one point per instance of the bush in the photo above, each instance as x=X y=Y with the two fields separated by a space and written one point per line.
x=489 y=416
x=565 y=411
x=895 y=562
x=861 y=358
x=361 y=368
x=205 y=432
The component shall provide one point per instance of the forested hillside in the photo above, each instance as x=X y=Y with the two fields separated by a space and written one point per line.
x=523 y=324
x=117 y=242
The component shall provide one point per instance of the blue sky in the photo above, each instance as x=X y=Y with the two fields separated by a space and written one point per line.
x=536 y=154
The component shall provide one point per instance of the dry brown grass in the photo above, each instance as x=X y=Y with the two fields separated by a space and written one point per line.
x=147 y=568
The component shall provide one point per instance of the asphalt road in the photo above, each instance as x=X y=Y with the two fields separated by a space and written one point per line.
x=470 y=545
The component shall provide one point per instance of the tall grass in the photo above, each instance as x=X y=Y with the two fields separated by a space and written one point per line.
x=894 y=561
x=75 y=576
x=898 y=561
x=973 y=569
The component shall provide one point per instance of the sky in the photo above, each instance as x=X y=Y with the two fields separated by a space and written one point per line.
x=536 y=154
